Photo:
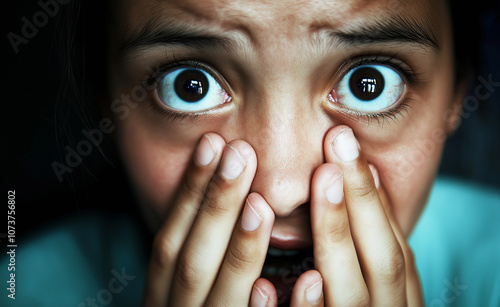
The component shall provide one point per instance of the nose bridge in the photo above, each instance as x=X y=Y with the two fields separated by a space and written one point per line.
x=288 y=139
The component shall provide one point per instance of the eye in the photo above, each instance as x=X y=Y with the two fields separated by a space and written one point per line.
x=370 y=88
x=190 y=89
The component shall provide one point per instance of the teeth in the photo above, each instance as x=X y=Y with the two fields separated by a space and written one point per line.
x=280 y=252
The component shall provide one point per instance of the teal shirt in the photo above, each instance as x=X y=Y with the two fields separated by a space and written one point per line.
x=457 y=245
x=91 y=259
x=99 y=260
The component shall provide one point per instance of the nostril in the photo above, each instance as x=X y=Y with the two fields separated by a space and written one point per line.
x=293 y=231
x=289 y=211
x=301 y=210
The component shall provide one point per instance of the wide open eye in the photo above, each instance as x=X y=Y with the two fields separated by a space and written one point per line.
x=370 y=88
x=191 y=90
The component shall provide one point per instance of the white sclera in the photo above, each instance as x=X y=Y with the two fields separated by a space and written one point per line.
x=169 y=97
x=393 y=89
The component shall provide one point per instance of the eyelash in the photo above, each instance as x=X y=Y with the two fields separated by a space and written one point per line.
x=172 y=116
x=413 y=78
x=394 y=114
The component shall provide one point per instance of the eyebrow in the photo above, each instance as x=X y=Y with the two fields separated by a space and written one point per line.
x=158 y=34
x=387 y=30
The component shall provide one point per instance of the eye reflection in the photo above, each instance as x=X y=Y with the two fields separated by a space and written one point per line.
x=366 y=83
x=370 y=88
x=190 y=89
x=191 y=85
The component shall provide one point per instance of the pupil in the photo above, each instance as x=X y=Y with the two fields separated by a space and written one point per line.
x=366 y=83
x=191 y=85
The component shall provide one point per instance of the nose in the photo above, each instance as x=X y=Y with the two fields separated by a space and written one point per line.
x=287 y=136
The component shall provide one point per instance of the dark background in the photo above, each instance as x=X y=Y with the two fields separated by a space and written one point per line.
x=31 y=137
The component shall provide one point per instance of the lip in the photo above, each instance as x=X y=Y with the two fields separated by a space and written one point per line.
x=292 y=232
x=289 y=242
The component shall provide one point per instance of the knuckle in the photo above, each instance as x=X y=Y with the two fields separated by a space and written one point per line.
x=365 y=191
x=240 y=259
x=362 y=301
x=392 y=267
x=190 y=189
x=188 y=274
x=219 y=303
x=213 y=188
x=339 y=232
x=357 y=298
x=213 y=201
x=164 y=252
x=214 y=207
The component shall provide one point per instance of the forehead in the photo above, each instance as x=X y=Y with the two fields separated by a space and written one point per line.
x=264 y=18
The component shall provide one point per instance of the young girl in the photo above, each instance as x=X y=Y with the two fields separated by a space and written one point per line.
x=281 y=152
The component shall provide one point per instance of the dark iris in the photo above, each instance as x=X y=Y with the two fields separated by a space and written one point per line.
x=191 y=85
x=366 y=83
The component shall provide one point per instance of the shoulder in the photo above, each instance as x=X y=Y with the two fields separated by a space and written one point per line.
x=456 y=245
x=89 y=257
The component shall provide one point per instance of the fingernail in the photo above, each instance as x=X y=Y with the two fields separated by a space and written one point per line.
x=259 y=300
x=345 y=146
x=250 y=219
x=335 y=191
x=375 y=175
x=314 y=293
x=205 y=152
x=232 y=163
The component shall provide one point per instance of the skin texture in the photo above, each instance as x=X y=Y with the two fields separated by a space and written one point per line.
x=279 y=73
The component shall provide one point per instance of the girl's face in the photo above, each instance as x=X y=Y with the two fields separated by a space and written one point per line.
x=279 y=75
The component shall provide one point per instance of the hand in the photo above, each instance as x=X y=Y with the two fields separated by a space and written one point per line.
x=361 y=256
x=212 y=246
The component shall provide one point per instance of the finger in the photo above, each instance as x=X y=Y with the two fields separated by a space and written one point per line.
x=308 y=290
x=334 y=252
x=413 y=286
x=263 y=294
x=379 y=252
x=245 y=255
x=205 y=246
x=170 y=237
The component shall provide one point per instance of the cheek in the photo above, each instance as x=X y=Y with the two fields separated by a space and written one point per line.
x=408 y=164
x=408 y=157
x=407 y=174
x=155 y=166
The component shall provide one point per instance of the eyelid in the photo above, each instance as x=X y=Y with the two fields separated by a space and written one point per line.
x=157 y=75
x=357 y=113
x=408 y=74
x=166 y=68
x=400 y=107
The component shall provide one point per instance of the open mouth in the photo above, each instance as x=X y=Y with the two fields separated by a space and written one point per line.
x=283 y=267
